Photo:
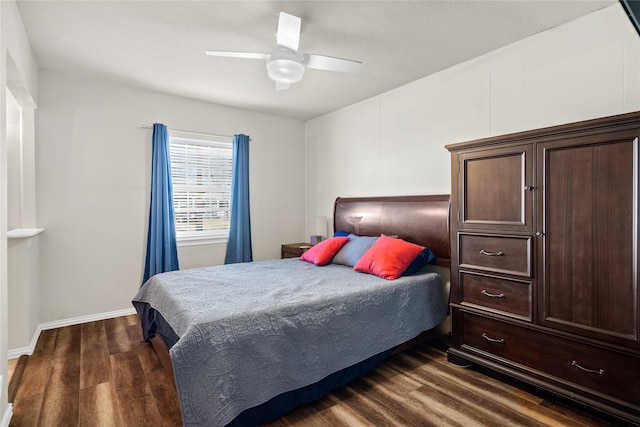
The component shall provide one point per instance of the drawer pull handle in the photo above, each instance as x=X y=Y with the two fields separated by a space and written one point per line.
x=499 y=341
x=499 y=253
x=592 y=371
x=492 y=295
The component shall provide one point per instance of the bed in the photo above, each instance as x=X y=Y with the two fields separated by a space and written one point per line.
x=249 y=342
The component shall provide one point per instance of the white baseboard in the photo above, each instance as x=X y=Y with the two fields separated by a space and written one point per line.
x=6 y=418
x=17 y=352
x=84 y=319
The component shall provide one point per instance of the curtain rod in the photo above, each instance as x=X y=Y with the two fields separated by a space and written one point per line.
x=192 y=133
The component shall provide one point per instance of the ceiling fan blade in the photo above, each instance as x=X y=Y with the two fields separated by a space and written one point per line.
x=282 y=86
x=288 y=34
x=329 y=63
x=247 y=55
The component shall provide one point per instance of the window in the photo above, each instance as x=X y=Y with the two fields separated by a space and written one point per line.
x=201 y=177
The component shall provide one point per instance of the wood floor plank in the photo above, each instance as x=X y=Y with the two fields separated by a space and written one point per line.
x=391 y=378
x=395 y=399
x=36 y=376
x=99 y=406
x=135 y=333
x=161 y=385
x=94 y=355
x=472 y=394
x=578 y=415
x=46 y=342
x=438 y=408
x=67 y=341
x=438 y=356
x=462 y=375
x=16 y=377
x=569 y=414
x=373 y=410
x=326 y=402
x=59 y=406
x=434 y=406
x=26 y=411
x=136 y=403
x=341 y=415
x=61 y=396
x=491 y=398
x=303 y=416
x=132 y=320
x=65 y=359
x=527 y=400
x=118 y=336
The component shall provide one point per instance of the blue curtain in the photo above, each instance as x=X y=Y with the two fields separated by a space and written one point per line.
x=162 y=252
x=239 y=245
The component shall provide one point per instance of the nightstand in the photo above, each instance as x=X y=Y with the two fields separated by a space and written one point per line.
x=293 y=250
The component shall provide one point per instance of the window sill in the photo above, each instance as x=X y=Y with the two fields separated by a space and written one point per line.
x=203 y=240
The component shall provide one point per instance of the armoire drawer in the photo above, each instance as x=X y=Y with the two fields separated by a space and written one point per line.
x=504 y=296
x=575 y=364
x=500 y=254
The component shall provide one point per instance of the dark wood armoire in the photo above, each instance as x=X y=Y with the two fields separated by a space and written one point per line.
x=544 y=274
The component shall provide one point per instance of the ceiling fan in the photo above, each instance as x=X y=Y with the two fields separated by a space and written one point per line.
x=285 y=64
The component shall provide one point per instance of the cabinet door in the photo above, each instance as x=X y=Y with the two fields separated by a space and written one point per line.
x=589 y=210
x=496 y=189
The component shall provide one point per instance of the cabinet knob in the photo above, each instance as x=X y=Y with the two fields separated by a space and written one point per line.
x=539 y=234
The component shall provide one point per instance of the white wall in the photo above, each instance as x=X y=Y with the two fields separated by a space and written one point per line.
x=393 y=144
x=4 y=404
x=18 y=73
x=23 y=295
x=93 y=184
x=14 y=162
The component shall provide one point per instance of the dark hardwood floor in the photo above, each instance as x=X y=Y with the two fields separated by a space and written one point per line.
x=102 y=374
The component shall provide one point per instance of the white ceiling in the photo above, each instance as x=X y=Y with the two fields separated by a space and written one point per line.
x=159 y=45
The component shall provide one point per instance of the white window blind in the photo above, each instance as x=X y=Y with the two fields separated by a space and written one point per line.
x=201 y=177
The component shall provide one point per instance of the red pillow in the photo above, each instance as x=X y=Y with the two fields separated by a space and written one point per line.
x=323 y=252
x=388 y=257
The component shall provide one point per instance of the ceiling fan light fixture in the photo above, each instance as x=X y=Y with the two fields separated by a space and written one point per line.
x=285 y=70
x=285 y=65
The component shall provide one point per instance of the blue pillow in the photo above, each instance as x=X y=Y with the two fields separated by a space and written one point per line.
x=340 y=233
x=351 y=253
x=425 y=257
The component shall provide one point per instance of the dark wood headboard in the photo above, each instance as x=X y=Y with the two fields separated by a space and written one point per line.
x=423 y=220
